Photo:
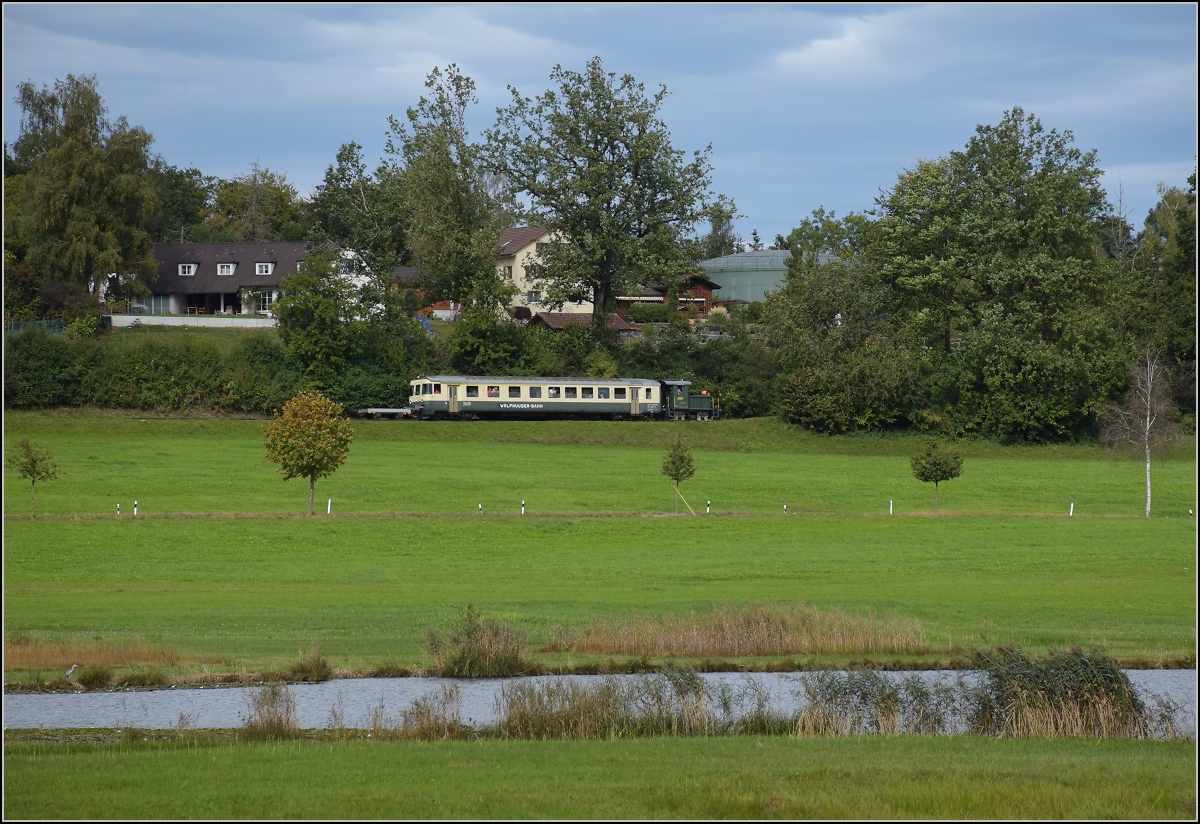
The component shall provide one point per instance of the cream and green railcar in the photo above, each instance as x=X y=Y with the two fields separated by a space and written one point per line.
x=465 y=396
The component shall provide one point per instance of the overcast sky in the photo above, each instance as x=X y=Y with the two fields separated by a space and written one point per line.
x=804 y=105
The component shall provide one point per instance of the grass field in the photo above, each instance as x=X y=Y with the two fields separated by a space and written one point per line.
x=207 y=575
x=938 y=778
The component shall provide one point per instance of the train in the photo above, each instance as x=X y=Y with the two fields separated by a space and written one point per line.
x=472 y=397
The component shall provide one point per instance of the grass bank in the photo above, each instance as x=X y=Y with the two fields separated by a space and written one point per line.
x=858 y=777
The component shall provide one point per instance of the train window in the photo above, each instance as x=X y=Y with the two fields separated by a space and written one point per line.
x=416 y=389
x=493 y=391
x=619 y=393
x=602 y=393
x=427 y=389
x=552 y=392
x=472 y=391
x=679 y=391
x=535 y=391
x=587 y=393
x=437 y=389
x=514 y=391
x=649 y=393
x=572 y=392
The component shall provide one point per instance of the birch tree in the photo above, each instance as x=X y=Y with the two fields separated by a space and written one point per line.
x=1147 y=416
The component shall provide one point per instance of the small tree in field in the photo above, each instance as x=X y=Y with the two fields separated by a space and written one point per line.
x=33 y=464
x=1147 y=417
x=310 y=439
x=678 y=466
x=935 y=465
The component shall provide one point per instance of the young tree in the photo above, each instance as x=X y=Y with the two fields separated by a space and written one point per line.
x=310 y=439
x=597 y=163
x=33 y=464
x=1147 y=417
x=935 y=465
x=678 y=466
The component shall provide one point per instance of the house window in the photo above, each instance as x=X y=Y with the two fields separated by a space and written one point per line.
x=572 y=392
x=552 y=392
x=187 y=269
x=263 y=268
x=472 y=391
x=533 y=297
x=535 y=391
x=493 y=391
x=619 y=393
x=225 y=269
x=602 y=393
x=587 y=393
x=540 y=246
x=160 y=304
x=514 y=391
x=265 y=301
x=507 y=270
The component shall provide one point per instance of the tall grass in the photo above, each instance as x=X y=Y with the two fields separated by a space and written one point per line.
x=863 y=702
x=479 y=647
x=25 y=652
x=312 y=667
x=751 y=630
x=1070 y=693
x=272 y=714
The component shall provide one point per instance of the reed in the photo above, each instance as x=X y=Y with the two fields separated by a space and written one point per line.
x=436 y=717
x=1069 y=693
x=94 y=678
x=272 y=714
x=479 y=647
x=24 y=652
x=755 y=629
x=312 y=667
x=863 y=702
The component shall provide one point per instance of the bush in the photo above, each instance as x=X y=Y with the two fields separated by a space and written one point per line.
x=650 y=313
x=39 y=370
x=272 y=714
x=478 y=647
x=312 y=666
x=94 y=678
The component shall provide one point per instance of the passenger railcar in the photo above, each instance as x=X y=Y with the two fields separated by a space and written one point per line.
x=474 y=396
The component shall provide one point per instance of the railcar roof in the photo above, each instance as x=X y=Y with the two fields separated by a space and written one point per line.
x=527 y=379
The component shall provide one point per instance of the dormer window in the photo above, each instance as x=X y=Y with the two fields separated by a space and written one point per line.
x=225 y=269
x=263 y=268
x=187 y=269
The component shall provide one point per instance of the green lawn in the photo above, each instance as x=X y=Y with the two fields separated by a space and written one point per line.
x=367 y=583
x=938 y=778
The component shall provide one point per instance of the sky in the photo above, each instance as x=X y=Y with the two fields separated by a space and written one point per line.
x=803 y=105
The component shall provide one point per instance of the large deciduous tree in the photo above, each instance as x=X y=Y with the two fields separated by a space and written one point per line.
x=454 y=218
x=991 y=251
x=596 y=161
x=88 y=197
x=309 y=439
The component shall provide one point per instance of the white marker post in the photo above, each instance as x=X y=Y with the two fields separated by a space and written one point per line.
x=890 y=507
x=135 y=507
x=1071 y=512
x=481 y=509
x=522 y=507
x=785 y=509
x=708 y=507
x=329 y=507
x=118 y=510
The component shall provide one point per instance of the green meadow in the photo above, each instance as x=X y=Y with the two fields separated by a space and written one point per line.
x=220 y=565
x=697 y=778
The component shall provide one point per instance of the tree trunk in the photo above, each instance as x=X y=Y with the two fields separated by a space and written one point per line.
x=935 y=496
x=32 y=516
x=1147 y=477
x=312 y=483
x=676 y=499
x=599 y=300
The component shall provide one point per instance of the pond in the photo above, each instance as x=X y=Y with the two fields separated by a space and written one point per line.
x=357 y=701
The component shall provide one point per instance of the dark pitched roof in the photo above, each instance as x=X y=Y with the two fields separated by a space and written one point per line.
x=513 y=239
x=407 y=275
x=206 y=256
x=558 y=321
